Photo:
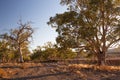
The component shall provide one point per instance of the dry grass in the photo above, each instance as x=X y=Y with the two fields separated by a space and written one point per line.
x=85 y=70
x=24 y=65
x=56 y=71
x=3 y=73
x=95 y=67
x=28 y=65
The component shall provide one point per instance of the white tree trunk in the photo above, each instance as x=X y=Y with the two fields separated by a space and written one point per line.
x=21 y=56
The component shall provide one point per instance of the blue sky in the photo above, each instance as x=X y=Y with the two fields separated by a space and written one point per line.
x=37 y=11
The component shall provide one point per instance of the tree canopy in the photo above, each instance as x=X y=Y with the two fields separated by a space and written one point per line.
x=19 y=38
x=91 y=25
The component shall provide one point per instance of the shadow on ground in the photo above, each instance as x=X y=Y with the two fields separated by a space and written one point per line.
x=37 y=77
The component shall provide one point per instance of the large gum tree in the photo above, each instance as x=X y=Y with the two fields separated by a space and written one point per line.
x=90 y=25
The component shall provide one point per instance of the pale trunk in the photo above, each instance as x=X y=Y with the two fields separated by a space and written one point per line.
x=21 y=56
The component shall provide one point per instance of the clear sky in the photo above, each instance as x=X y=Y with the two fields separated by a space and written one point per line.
x=37 y=11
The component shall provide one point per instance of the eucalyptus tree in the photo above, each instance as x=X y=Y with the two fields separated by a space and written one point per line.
x=20 y=38
x=90 y=25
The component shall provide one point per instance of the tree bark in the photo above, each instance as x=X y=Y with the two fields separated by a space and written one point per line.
x=21 y=56
x=101 y=58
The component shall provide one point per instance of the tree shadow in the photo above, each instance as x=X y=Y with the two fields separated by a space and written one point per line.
x=112 y=78
x=37 y=77
x=12 y=67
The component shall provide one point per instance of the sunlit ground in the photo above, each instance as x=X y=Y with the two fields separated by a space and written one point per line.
x=57 y=71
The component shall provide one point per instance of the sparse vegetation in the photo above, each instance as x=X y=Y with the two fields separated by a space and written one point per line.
x=86 y=31
x=58 y=71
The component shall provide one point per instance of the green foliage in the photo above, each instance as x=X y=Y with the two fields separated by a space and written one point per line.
x=66 y=54
x=9 y=54
x=14 y=45
x=36 y=55
x=91 y=25
x=4 y=50
x=47 y=54
x=52 y=53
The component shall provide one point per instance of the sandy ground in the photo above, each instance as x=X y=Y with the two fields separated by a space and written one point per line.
x=53 y=71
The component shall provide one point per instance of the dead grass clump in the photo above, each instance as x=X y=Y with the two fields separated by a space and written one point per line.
x=3 y=73
x=95 y=67
x=24 y=65
x=109 y=68
x=80 y=66
x=28 y=65
x=79 y=73
x=52 y=70
x=38 y=64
